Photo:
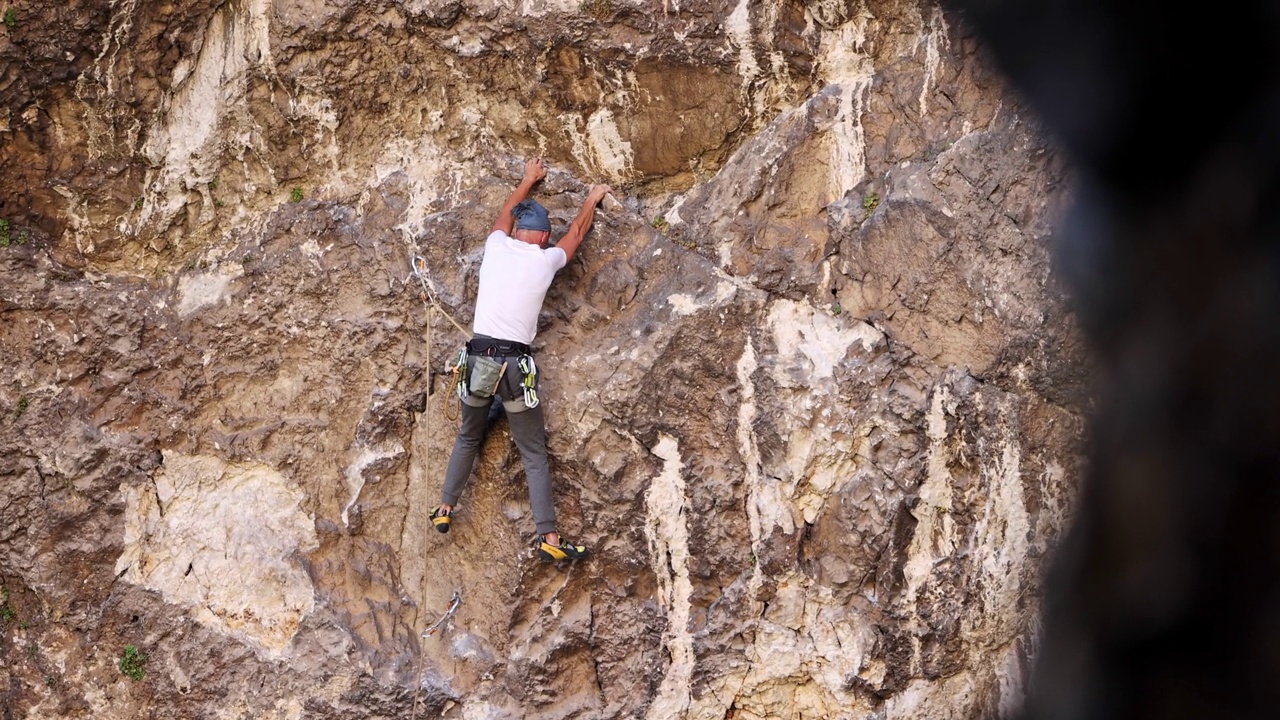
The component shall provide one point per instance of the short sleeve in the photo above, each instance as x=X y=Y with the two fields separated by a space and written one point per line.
x=557 y=257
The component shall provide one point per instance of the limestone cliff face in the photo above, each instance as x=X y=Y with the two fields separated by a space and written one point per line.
x=812 y=396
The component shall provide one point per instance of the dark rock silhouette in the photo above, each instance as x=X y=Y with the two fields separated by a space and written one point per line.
x=1163 y=601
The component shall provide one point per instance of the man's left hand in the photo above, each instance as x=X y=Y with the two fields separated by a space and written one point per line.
x=534 y=170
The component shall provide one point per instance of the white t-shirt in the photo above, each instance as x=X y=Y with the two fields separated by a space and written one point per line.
x=514 y=277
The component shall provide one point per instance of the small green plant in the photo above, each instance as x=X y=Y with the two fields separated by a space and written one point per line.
x=23 y=236
x=11 y=18
x=870 y=202
x=660 y=224
x=295 y=195
x=598 y=9
x=23 y=404
x=132 y=662
x=137 y=204
x=7 y=613
x=4 y=233
x=836 y=309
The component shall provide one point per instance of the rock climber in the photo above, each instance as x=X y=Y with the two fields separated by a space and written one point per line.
x=497 y=362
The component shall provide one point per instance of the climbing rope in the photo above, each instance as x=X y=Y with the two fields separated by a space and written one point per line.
x=429 y=300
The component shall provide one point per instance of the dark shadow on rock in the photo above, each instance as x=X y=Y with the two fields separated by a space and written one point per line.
x=1164 y=601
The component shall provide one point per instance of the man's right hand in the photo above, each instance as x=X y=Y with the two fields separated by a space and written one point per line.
x=534 y=170
x=597 y=193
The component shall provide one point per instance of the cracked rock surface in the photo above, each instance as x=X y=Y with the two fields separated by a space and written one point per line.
x=813 y=397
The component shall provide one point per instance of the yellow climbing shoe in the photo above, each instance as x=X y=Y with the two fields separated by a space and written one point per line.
x=440 y=518
x=564 y=551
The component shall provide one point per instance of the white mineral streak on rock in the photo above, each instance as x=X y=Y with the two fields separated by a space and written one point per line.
x=204 y=289
x=321 y=147
x=846 y=65
x=354 y=473
x=1009 y=678
x=539 y=8
x=260 y=12
x=805 y=647
x=935 y=531
x=820 y=338
x=431 y=173
x=612 y=154
x=951 y=698
x=935 y=37
x=1002 y=531
x=219 y=538
x=841 y=641
x=684 y=304
x=738 y=26
x=117 y=33
x=1052 y=513
x=748 y=449
x=572 y=125
x=77 y=214
x=809 y=345
x=669 y=557
x=672 y=215
x=184 y=143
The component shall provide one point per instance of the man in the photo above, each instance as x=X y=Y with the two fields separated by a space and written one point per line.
x=514 y=276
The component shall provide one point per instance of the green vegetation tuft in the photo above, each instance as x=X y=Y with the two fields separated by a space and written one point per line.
x=4 y=233
x=132 y=662
x=660 y=224
x=598 y=9
x=295 y=195
x=11 y=18
x=870 y=202
x=7 y=613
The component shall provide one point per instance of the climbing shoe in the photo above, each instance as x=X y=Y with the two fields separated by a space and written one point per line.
x=440 y=518
x=555 y=553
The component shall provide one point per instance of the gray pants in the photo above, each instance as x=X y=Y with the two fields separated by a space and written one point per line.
x=529 y=432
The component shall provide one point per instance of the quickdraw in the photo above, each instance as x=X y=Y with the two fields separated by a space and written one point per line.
x=530 y=380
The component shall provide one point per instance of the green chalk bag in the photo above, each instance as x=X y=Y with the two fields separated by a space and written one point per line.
x=486 y=373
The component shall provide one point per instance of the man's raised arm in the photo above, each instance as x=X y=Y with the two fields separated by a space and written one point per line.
x=534 y=171
x=582 y=223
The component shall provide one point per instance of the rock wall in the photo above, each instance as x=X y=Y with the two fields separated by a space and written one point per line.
x=813 y=397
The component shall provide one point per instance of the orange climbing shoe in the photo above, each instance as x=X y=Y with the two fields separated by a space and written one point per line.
x=555 y=553
x=440 y=518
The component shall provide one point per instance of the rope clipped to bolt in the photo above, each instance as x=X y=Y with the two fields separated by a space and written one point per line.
x=453 y=607
x=433 y=306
